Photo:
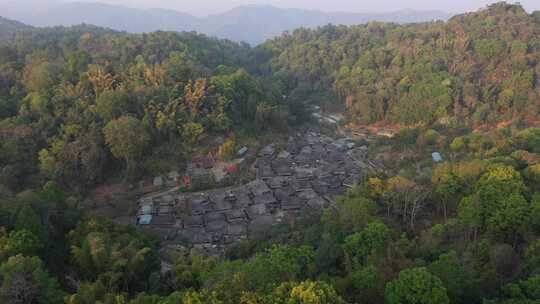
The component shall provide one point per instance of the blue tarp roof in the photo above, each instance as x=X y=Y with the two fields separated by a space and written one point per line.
x=436 y=156
x=145 y=219
x=242 y=151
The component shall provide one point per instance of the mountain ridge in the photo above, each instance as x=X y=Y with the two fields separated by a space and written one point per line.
x=9 y=27
x=250 y=23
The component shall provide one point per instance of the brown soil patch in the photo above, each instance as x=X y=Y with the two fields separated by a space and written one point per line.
x=112 y=200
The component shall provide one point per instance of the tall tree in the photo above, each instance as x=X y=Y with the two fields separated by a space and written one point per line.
x=24 y=280
x=416 y=286
x=127 y=138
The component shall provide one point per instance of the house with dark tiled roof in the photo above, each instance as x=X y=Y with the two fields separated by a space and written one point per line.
x=303 y=159
x=293 y=146
x=216 y=226
x=193 y=221
x=255 y=211
x=265 y=172
x=282 y=167
x=277 y=182
x=335 y=157
x=317 y=203
x=258 y=187
x=268 y=151
x=163 y=221
x=268 y=199
x=283 y=194
x=243 y=199
x=284 y=155
x=235 y=215
x=219 y=200
x=236 y=229
x=293 y=203
x=307 y=194
x=213 y=217
x=199 y=204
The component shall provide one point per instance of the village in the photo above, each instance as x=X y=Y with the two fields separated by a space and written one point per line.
x=306 y=174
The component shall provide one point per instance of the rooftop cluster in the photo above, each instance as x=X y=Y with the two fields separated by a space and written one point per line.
x=308 y=174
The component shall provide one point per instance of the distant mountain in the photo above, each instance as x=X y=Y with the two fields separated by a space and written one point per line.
x=255 y=24
x=8 y=24
x=8 y=27
x=115 y=17
x=252 y=23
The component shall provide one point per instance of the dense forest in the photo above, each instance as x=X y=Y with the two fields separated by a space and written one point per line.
x=475 y=69
x=84 y=105
x=68 y=95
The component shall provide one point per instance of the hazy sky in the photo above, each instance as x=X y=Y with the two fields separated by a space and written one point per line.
x=204 y=7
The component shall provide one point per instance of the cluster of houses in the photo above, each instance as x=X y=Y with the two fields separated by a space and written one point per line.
x=307 y=174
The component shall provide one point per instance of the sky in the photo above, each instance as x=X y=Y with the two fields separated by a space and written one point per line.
x=206 y=7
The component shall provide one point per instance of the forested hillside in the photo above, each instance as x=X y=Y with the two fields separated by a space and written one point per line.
x=62 y=86
x=477 y=68
x=82 y=107
x=9 y=27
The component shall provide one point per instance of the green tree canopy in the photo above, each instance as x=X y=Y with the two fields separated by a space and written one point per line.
x=416 y=286
x=23 y=280
x=127 y=138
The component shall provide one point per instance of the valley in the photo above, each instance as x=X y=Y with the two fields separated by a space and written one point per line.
x=331 y=164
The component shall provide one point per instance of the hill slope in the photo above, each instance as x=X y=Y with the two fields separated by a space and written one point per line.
x=115 y=17
x=9 y=27
x=476 y=68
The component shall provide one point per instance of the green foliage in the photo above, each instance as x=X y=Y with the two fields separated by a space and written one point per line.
x=263 y=272
x=498 y=206
x=416 y=286
x=529 y=140
x=306 y=292
x=191 y=298
x=507 y=222
x=112 y=104
x=29 y=220
x=354 y=213
x=61 y=98
x=497 y=183
x=189 y=271
x=371 y=240
x=419 y=73
x=21 y=242
x=489 y=48
x=146 y=299
x=278 y=264
x=365 y=285
x=532 y=257
x=458 y=144
x=431 y=137
x=71 y=98
x=24 y=280
x=127 y=139
x=240 y=92
x=448 y=190
x=458 y=279
x=527 y=291
x=117 y=257
x=193 y=132
x=228 y=150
